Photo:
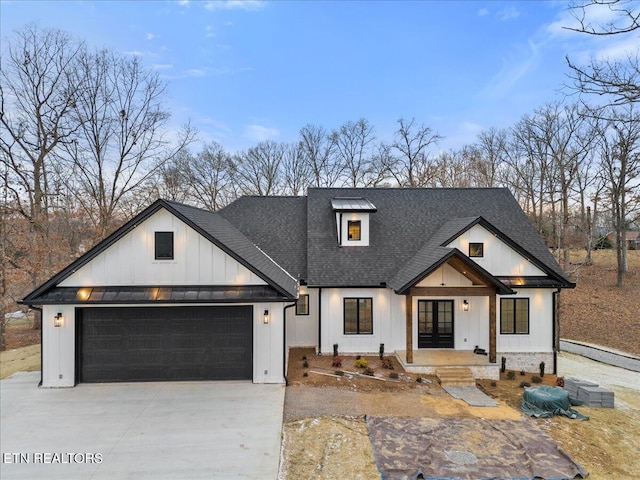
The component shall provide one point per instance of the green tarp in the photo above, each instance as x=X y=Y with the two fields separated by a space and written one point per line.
x=545 y=401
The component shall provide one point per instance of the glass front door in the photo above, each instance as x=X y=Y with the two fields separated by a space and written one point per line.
x=435 y=323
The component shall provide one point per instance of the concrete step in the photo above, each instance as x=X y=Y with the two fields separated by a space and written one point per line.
x=455 y=377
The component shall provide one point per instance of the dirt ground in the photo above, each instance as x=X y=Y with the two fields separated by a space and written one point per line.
x=325 y=435
x=597 y=311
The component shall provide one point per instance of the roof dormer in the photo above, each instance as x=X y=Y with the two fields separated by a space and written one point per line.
x=352 y=220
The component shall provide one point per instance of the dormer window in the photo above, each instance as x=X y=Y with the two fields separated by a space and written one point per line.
x=352 y=220
x=354 y=230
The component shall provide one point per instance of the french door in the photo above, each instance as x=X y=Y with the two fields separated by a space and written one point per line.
x=435 y=323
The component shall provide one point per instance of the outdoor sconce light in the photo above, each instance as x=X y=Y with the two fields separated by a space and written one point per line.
x=265 y=318
x=58 y=320
x=465 y=305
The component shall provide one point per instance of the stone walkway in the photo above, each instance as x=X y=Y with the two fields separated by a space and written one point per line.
x=471 y=395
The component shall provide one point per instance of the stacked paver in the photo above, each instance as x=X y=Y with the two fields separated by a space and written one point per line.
x=590 y=393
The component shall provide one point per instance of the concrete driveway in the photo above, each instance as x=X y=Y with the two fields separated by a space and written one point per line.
x=176 y=430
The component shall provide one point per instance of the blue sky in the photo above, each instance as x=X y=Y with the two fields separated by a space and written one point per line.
x=246 y=71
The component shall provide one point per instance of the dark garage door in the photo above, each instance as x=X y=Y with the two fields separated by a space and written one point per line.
x=171 y=343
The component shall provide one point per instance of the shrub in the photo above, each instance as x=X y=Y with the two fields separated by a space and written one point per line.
x=560 y=382
x=361 y=363
x=304 y=357
x=542 y=369
x=369 y=371
x=494 y=384
x=358 y=357
x=419 y=379
x=381 y=351
x=511 y=375
x=305 y=364
x=386 y=363
x=523 y=373
x=305 y=374
x=337 y=361
x=536 y=379
x=394 y=375
x=503 y=367
x=524 y=384
x=335 y=349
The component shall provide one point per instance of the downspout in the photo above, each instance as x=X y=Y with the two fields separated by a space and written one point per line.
x=33 y=307
x=284 y=342
x=320 y=321
x=556 y=340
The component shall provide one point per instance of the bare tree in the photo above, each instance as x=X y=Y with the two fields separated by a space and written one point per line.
x=36 y=100
x=206 y=177
x=122 y=139
x=411 y=166
x=258 y=170
x=625 y=18
x=296 y=172
x=487 y=157
x=620 y=169
x=318 y=150
x=618 y=80
x=353 y=143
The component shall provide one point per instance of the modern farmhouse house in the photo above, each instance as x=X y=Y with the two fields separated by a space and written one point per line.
x=181 y=293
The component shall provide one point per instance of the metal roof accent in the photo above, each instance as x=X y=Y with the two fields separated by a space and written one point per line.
x=352 y=204
x=158 y=295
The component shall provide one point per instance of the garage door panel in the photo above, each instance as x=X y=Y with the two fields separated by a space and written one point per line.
x=172 y=343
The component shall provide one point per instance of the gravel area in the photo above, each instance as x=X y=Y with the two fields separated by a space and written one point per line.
x=570 y=365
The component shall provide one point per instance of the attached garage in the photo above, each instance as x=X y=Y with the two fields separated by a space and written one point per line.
x=130 y=344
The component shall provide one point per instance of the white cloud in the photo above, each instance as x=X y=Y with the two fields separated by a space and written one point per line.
x=135 y=53
x=162 y=66
x=508 y=13
x=184 y=3
x=195 y=72
x=249 y=5
x=514 y=68
x=151 y=36
x=209 y=32
x=483 y=12
x=260 y=133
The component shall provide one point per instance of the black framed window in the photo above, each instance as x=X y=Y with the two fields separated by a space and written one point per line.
x=476 y=249
x=514 y=316
x=358 y=316
x=354 y=229
x=302 y=305
x=164 y=245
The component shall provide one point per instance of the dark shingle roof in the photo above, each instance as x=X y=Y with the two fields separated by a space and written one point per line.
x=405 y=221
x=278 y=225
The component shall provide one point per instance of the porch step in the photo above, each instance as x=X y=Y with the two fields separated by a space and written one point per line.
x=455 y=377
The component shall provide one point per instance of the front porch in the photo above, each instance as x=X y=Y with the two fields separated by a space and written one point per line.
x=429 y=361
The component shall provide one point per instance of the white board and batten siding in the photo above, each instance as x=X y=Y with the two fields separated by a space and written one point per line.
x=131 y=260
x=499 y=258
x=302 y=330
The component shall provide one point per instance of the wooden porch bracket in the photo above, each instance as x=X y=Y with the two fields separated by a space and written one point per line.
x=492 y=327
x=409 y=317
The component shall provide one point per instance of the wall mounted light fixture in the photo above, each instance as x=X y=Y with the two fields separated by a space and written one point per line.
x=465 y=305
x=265 y=318
x=58 y=320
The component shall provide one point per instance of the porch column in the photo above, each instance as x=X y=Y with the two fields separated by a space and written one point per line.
x=409 y=317
x=492 y=327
